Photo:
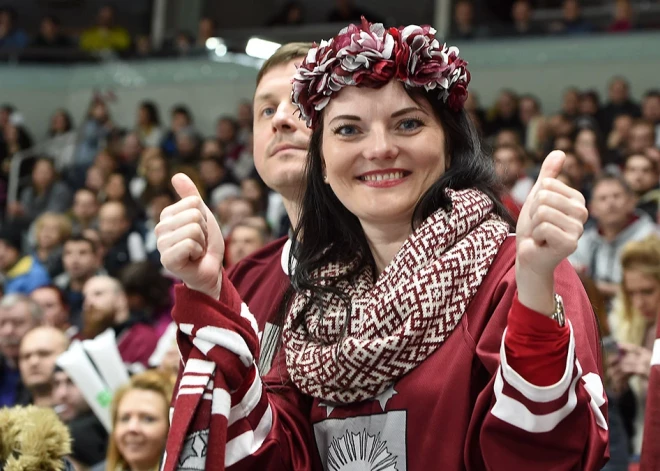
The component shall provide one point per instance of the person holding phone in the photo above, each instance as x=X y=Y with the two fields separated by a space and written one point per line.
x=633 y=322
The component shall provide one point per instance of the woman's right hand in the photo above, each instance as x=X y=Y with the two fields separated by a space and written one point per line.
x=189 y=240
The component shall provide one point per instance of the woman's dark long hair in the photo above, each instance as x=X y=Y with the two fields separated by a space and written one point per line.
x=328 y=232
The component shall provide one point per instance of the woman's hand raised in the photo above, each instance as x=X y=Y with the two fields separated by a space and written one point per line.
x=550 y=224
x=189 y=240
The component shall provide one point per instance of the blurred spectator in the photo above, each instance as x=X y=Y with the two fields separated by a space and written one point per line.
x=642 y=136
x=187 y=147
x=117 y=190
x=215 y=177
x=122 y=245
x=18 y=315
x=95 y=179
x=464 y=27
x=94 y=132
x=617 y=140
x=148 y=124
x=155 y=172
x=244 y=118
x=623 y=17
x=574 y=168
x=206 y=29
x=51 y=231
x=183 y=42
x=155 y=204
x=244 y=166
x=85 y=210
x=598 y=253
x=227 y=135
x=570 y=102
x=643 y=176
x=534 y=124
x=237 y=210
x=572 y=21
x=211 y=149
x=129 y=158
x=651 y=112
x=106 y=305
x=180 y=119
x=619 y=104
x=589 y=111
x=11 y=36
x=148 y=293
x=89 y=437
x=633 y=322
x=291 y=14
x=81 y=260
x=345 y=11
x=106 y=35
x=509 y=167
x=15 y=138
x=22 y=274
x=521 y=14
x=147 y=395
x=60 y=123
x=143 y=46
x=39 y=349
x=589 y=149
x=50 y=36
x=106 y=161
x=504 y=115
x=245 y=239
x=45 y=194
x=256 y=191
x=54 y=308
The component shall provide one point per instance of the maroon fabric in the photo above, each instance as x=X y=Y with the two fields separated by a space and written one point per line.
x=650 y=459
x=137 y=343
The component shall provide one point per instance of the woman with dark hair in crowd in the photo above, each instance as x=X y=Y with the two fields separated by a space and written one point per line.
x=148 y=124
x=60 y=123
x=415 y=319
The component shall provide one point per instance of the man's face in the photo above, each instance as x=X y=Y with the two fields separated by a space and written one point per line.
x=611 y=205
x=507 y=166
x=113 y=223
x=79 y=259
x=618 y=91
x=68 y=397
x=55 y=313
x=43 y=174
x=280 y=137
x=38 y=352
x=15 y=322
x=639 y=174
x=244 y=241
x=99 y=306
x=641 y=137
x=85 y=205
x=651 y=109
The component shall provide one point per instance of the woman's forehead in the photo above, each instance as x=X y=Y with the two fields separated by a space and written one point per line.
x=373 y=101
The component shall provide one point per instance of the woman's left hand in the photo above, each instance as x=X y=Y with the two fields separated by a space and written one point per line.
x=550 y=224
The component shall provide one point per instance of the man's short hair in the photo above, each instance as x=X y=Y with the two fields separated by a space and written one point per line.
x=283 y=55
x=520 y=153
x=612 y=177
x=654 y=164
x=8 y=301
x=82 y=238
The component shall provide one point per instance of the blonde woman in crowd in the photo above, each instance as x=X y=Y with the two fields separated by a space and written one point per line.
x=633 y=323
x=140 y=423
x=51 y=230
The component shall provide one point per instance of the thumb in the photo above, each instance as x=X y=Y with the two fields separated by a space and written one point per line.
x=184 y=186
x=552 y=165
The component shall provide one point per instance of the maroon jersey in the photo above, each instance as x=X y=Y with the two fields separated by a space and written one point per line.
x=463 y=408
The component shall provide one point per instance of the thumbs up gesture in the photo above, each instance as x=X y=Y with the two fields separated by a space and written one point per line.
x=550 y=224
x=189 y=240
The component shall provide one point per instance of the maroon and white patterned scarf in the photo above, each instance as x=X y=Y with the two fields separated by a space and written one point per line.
x=401 y=319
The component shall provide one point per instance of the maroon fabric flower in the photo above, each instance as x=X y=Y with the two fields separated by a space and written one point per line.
x=369 y=55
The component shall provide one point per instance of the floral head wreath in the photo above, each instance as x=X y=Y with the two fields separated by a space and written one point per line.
x=370 y=56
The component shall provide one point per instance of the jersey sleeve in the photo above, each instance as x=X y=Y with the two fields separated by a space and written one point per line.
x=521 y=425
x=268 y=420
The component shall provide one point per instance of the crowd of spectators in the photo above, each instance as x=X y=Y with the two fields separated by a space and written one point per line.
x=78 y=253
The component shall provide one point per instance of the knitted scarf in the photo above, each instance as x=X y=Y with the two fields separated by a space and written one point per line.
x=401 y=319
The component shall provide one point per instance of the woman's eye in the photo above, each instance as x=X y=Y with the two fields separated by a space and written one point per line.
x=346 y=130
x=410 y=124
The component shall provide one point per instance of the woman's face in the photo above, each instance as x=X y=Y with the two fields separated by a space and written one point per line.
x=155 y=171
x=585 y=142
x=95 y=179
x=143 y=116
x=49 y=235
x=115 y=189
x=141 y=428
x=382 y=151
x=644 y=293
x=58 y=122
